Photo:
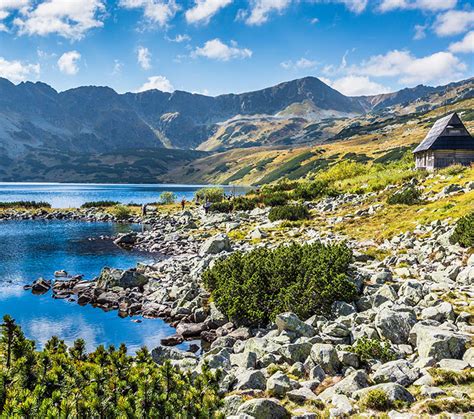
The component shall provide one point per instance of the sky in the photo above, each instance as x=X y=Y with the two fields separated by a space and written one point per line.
x=359 y=47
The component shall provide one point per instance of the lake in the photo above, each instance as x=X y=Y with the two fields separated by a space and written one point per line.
x=68 y=195
x=30 y=249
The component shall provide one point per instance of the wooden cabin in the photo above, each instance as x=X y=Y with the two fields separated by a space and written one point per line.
x=448 y=142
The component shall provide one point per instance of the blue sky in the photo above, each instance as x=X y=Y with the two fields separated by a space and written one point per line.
x=222 y=46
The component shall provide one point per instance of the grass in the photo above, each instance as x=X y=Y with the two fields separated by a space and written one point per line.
x=445 y=377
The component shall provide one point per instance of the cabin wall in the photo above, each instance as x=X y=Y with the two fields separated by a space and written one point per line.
x=437 y=159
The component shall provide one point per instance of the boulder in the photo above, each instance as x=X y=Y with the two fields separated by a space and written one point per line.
x=41 y=286
x=441 y=312
x=290 y=322
x=129 y=278
x=301 y=395
x=438 y=343
x=431 y=392
x=353 y=382
x=245 y=359
x=278 y=384
x=251 y=380
x=126 y=239
x=264 y=409
x=342 y=406
x=326 y=356
x=189 y=330
x=394 y=325
x=296 y=352
x=400 y=371
x=453 y=364
x=216 y=244
x=395 y=392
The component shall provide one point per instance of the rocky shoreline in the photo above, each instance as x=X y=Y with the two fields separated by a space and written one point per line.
x=418 y=300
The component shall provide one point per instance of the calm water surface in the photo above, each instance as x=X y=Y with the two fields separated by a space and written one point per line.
x=67 y=195
x=30 y=249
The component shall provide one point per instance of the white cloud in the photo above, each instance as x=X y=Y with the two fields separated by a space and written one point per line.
x=17 y=71
x=356 y=6
x=215 y=49
x=156 y=11
x=70 y=19
x=67 y=63
x=430 y=5
x=453 y=22
x=438 y=67
x=143 y=58
x=420 y=32
x=158 y=83
x=466 y=45
x=117 y=69
x=261 y=9
x=179 y=38
x=301 y=64
x=356 y=86
x=203 y=10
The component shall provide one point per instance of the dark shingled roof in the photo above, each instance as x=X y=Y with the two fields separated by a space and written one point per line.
x=440 y=137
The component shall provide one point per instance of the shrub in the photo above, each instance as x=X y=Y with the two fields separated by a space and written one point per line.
x=242 y=203
x=99 y=204
x=312 y=190
x=211 y=194
x=345 y=169
x=453 y=170
x=282 y=186
x=289 y=212
x=275 y=199
x=407 y=196
x=464 y=231
x=224 y=206
x=372 y=349
x=252 y=288
x=376 y=399
x=121 y=212
x=167 y=197
x=25 y=204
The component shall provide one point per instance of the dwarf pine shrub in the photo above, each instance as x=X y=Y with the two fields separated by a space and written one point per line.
x=211 y=194
x=407 y=196
x=224 y=206
x=25 y=204
x=376 y=399
x=288 y=212
x=275 y=199
x=121 y=212
x=372 y=349
x=464 y=231
x=252 y=288
x=99 y=204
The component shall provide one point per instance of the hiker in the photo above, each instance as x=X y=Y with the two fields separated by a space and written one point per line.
x=144 y=209
x=206 y=206
x=183 y=204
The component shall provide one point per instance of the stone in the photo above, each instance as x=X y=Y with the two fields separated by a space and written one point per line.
x=431 y=392
x=216 y=317
x=251 y=380
x=301 y=395
x=395 y=392
x=291 y=323
x=278 y=384
x=161 y=353
x=129 y=278
x=348 y=358
x=399 y=371
x=245 y=359
x=441 y=312
x=394 y=325
x=217 y=244
x=258 y=234
x=189 y=330
x=341 y=308
x=317 y=373
x=469 y=357
x=412 y=291
x=41 y=286
x=438 y=343
x=384 y=294
x=296 y=352
x=355 y=381
x=336 y=329
x=325 y=355
x=342 y=406
x=264 y=409
x=453 y=364
x=126 y=239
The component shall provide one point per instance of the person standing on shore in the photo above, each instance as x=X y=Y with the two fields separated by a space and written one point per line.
x=183 y=204
x=206 y=206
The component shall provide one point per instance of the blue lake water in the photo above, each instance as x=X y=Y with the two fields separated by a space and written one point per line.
x=67 y=195
x=30 y=249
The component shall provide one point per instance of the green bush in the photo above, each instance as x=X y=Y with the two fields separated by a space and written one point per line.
x=372 y=349
x=69 y=382
x=464 y=231
x=252 y=288
x=453 y=170
x=407 y=196
x=224 y=206
x=25 y=204
x=289 y=212
x=275 y=199
x=312 y=190
x=211 y=194
x=376 y=399
x=99 y=204
x=121 y=212
x=168 y=197
x=242 y=203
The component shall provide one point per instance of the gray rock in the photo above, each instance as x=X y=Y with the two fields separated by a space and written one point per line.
x=453 y=364
x=341 y=308
x=278 y=384
x=342 y=406
x=400 y=371
x=394 y=325
x=325 y=355
x=384 y=294
x=296 y=352
x=317 y=373
x=438 y=343
x=469 y=356
x=245 y=360
x=251 y=380
x=129 y=278
x=431 y=392
x=264 y=409
x=348 y=358
x=441 y=312
x=217 y=244
x=301 y=395
x=395 y=392
x=291 y=323
x=412 y=291
x=355 y=381
x=336 y=329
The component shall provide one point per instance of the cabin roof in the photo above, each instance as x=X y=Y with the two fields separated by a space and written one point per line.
x=440 y=138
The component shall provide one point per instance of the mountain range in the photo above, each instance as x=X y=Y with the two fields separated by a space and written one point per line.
x=95 y=134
